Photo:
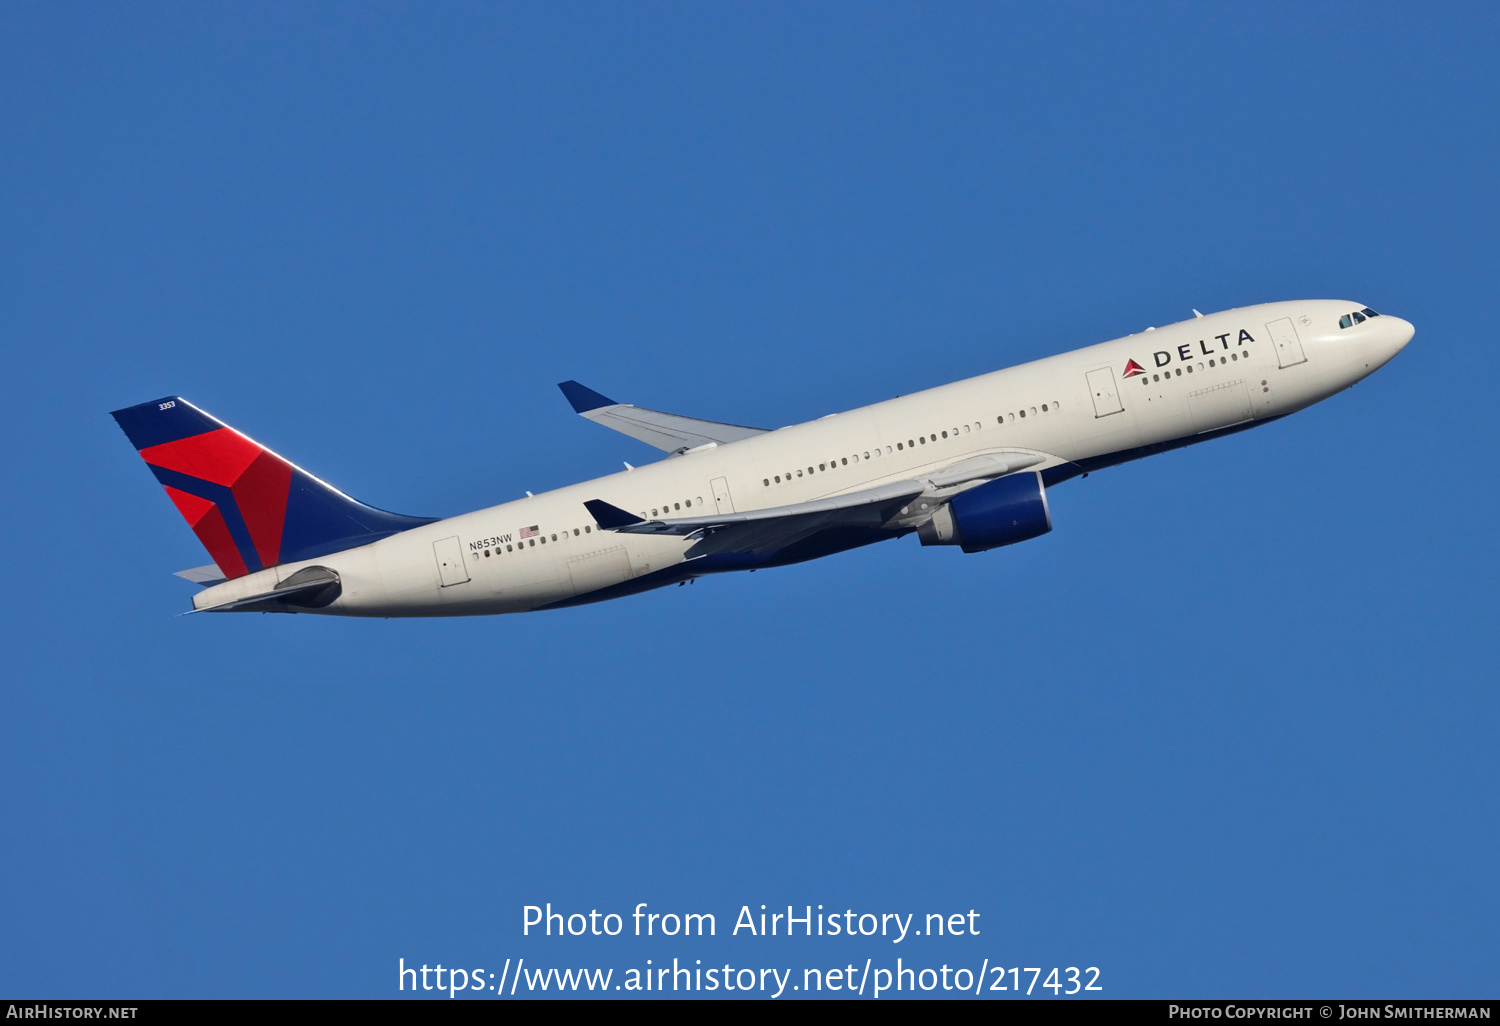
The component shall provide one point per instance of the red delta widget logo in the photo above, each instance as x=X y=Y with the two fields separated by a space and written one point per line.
x=1132 y=369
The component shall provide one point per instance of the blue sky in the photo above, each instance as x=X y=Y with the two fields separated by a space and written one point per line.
x=1229 y=730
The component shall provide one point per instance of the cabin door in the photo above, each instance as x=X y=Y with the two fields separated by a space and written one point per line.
x=450 y=561
x=1288 y=345
x=722 y=502
x=1106 y=395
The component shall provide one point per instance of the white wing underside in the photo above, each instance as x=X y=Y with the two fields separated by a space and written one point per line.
x=668 y=431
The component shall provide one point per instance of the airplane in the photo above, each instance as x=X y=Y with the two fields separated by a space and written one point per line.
x=967 y=464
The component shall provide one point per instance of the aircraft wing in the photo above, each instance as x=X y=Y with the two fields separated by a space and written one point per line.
x=762 y=530
x=666 y=431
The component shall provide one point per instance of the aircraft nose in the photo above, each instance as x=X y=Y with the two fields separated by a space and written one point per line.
x=1400 y=331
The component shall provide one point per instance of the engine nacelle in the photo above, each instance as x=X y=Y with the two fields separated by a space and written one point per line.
x=1005 y=511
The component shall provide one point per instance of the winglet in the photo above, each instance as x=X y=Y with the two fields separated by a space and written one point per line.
x=610 y=517
x=584 y=398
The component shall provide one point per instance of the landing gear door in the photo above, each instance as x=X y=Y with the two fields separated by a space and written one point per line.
x=1288 y=345
x=450 y=561
x=1106 y=395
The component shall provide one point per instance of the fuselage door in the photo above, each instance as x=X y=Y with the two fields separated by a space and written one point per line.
x=722 y=502
x=1288 y=345
x=450 y=561
x=1106 y=395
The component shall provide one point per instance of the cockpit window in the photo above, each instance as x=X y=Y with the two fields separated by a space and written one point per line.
x=1345 y=321
x=1369 y=313
x=1359 y=317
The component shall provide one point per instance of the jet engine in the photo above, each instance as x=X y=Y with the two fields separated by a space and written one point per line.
x=1004 y=511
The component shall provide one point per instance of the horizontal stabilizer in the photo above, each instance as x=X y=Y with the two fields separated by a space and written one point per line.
x=210 y=574
x=312 y=587
x=665 y=431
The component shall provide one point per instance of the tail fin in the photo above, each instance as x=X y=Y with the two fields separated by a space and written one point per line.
x=250 y=508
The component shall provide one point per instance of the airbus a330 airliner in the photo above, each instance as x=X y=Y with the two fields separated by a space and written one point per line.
x=966 y=464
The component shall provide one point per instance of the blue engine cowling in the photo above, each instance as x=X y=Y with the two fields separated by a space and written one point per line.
x=1005 y=511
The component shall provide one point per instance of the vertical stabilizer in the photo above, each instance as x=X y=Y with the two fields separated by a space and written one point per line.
x=250 y=508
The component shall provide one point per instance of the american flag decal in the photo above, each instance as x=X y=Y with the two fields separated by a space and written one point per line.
x=529 y=532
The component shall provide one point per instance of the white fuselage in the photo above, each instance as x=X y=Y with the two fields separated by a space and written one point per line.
x=1077 y=411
